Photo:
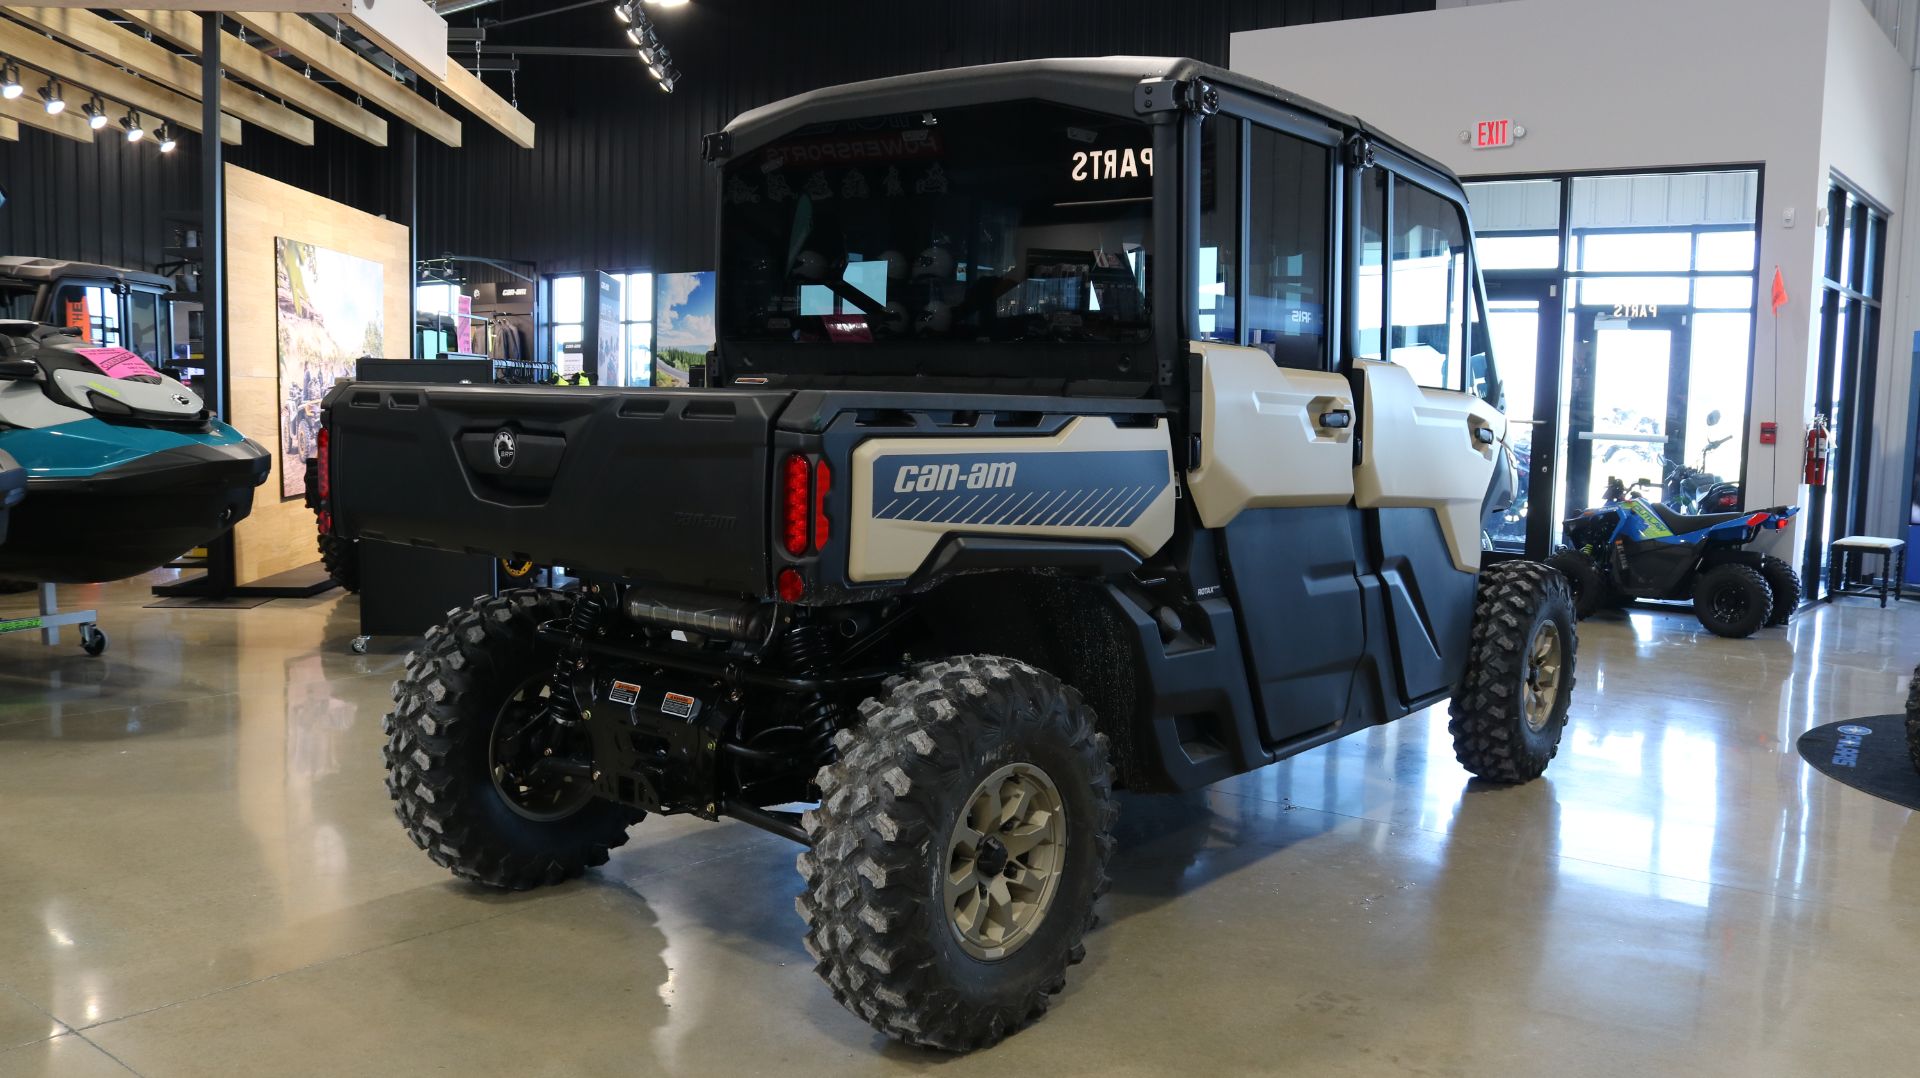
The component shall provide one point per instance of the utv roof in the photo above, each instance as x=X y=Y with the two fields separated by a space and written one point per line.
x=33 y=270
x=1069 y=79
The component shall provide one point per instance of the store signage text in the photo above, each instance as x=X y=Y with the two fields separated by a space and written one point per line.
x=1112 y=164
x=1493 y=134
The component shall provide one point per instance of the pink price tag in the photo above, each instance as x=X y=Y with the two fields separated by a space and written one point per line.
x=117 y=362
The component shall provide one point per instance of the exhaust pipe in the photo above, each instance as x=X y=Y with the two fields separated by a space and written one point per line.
x=735 y=619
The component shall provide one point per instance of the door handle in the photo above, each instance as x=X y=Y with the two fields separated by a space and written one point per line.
x=1336 y=419
x=1483 y=434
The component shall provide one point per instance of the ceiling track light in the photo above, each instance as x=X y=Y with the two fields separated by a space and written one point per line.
x=50 y=97
x=165 y=137
x=96 y=112
x=625 y=12
x=131 y=125
x=10 y=86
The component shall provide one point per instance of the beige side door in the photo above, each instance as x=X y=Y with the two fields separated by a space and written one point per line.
x=1427 y=448
x=1270 y=437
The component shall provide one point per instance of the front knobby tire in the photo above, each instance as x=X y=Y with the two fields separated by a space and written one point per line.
x=1511 y=708
x=446 y=752
x=341 y=559
x=960 y=843
x=1584 y=583
x=1732 y=600
x=1913 y=719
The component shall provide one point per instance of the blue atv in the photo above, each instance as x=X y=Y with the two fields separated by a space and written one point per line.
x=1632 y=548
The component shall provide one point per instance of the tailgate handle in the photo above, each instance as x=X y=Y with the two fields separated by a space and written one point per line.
x=513 y=458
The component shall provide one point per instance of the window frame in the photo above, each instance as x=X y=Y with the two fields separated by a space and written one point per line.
x=1245 y=110
x=1398 y=166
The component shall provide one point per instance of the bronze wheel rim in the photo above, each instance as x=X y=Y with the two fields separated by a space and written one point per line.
x=1004 y=861
x=1544 y=665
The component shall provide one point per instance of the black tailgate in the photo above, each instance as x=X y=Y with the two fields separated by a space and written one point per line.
x=654 y=484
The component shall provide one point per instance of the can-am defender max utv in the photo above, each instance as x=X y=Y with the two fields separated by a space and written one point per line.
x=1058 y=447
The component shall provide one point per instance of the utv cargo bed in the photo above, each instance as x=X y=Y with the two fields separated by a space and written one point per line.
x=654 y=484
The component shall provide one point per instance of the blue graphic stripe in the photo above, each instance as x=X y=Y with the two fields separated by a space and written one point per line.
x=1091 y=489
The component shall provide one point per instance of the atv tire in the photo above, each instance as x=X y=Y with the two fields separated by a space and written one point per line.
x=1913 y=720
x=469 y=677
x=1584 y=582
x=341 y=559
x=1511 y=708
x=1732 y=600
x=1785 y=585
x=1780 y=578
x=912 y=802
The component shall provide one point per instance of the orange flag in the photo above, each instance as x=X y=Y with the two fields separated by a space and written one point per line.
x=1779 y=291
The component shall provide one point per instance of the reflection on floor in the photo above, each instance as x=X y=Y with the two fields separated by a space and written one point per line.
x=199 y=875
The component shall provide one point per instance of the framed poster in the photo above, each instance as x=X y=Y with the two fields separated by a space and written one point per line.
x=683 y=334
x=330 y=311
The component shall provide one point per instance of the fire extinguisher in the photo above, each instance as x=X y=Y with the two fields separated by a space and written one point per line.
x=1819 y=443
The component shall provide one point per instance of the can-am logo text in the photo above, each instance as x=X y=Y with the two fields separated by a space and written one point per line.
x=923 y=478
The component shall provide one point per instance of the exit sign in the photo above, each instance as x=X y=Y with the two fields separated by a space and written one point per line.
x=1493 y=134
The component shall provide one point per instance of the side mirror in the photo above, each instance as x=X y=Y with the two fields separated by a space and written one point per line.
x=18 y=370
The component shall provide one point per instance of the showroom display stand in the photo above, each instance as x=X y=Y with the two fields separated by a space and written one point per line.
x=218 y=582
x=50 y=621
x=405 y=590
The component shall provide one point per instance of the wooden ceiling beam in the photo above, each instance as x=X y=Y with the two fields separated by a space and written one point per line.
x=308 y=42
x=28 y=110
x=9 y=130
x=456 y=82
x=79 y=71
x=242 y=60
x=85 y=30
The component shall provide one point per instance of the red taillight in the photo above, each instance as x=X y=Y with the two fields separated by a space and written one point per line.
x=1758 y=519
x=795 y=503
x=791 y=586
x=325 y=482
x=822 y=482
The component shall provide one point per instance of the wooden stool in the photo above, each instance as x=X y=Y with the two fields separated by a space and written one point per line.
x=1893 y=567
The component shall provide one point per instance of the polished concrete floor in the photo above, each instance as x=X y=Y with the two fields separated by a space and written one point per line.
x=199 y=875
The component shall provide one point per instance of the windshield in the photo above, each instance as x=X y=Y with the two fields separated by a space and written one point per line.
x=1018 y=221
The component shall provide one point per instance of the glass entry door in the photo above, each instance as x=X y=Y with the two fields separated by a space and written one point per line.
x=1627 y=405
x=1524 y=318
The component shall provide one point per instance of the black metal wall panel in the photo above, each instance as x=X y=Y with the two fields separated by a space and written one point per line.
x=615 y=181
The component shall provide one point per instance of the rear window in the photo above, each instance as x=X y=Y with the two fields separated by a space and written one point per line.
x=1011 y=222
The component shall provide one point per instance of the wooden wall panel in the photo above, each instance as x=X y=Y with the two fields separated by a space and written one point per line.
x=279 y=534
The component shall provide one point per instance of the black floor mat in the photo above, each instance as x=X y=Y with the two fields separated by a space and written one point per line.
x=1867 y=754
x=188 y=602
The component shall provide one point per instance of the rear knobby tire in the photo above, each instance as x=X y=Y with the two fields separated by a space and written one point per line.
x=1913 y=720
x=341 y=559
x=1784 y=583
x=1507 y=717
x=438 y=740
x=1732 y=600
x=1587 y=587
x=876 y=906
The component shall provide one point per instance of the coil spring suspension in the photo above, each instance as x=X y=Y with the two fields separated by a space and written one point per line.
x=588 y=610
x=806 y=647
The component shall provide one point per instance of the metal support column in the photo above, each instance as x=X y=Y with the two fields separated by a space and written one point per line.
x=410 y=216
